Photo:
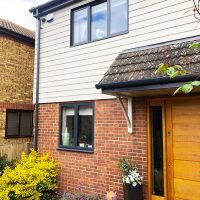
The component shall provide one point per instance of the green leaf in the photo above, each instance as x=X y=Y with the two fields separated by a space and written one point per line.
x=161 y=68
x=183 y=72
x=177 y=67
x=196 y=83
x=187 y=88
x=170 y=71
x=175 y=74
x=194 y=45
x=178 y=90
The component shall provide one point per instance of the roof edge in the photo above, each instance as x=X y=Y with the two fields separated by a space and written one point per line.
x=17 y=35
x=165 y=43
x=152 y=81
x=50 y=6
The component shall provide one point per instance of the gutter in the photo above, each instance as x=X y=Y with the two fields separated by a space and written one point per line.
x=145 y=82
x=37 y=87
x=50 y=7
x=115 y=89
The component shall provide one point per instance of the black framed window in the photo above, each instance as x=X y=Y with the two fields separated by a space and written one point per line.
x=80 y=27
x=99 y=20
x=19 y=123
x=77 y=127
x=118 y=16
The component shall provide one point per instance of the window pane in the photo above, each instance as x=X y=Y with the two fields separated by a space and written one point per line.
x=85 y=119
x=119 y=16
x=157 y=152
x=99 y=21
x=26 y=120
x=68 y=127
x=80 y=26
x=12 y=124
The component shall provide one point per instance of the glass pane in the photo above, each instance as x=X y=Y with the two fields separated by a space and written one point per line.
x=67 y=127
x=12 y=124
x=85 y=120
x=80 y=26
x=99 y=21
x=119 y=16
x=157 y=151
x=26 y=123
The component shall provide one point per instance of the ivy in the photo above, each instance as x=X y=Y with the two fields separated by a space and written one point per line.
x=177 y=70
x=194 y=45
x=171 y=71
x=196 y=83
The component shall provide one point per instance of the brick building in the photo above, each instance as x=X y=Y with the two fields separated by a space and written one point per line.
x=16 y=88
x=116 y=45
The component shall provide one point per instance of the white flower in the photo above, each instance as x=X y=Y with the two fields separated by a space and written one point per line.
x=133 y=178
x=137 y=174
x=127 y=180
x=134 y=184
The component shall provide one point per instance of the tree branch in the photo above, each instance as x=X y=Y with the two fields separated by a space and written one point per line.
x=196 y=9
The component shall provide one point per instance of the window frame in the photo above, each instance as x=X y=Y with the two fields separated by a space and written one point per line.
x=75 y=106
x=18 y=124
x=89 y=22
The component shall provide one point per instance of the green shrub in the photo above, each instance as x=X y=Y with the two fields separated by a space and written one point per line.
x=4 y=162
x=31 y=179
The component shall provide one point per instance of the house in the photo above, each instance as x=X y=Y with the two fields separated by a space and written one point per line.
x=16 y=86
x=116 y=45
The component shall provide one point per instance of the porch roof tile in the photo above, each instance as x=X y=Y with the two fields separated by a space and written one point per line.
x=136 y=65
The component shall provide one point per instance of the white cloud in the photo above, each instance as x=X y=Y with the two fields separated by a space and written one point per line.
x=17 y=11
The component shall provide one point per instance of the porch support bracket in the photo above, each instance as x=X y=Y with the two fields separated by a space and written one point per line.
x=127 y=114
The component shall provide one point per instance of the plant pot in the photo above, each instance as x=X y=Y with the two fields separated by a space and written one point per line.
x=133 y=193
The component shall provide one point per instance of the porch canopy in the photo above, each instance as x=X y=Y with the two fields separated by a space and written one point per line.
x=133 y=71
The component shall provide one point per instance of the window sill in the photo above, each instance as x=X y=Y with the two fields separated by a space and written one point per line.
x=105 y=38
x=76 y=149
x=15 y=137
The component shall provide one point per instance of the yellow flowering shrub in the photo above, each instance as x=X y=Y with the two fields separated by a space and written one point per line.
x=32 y=177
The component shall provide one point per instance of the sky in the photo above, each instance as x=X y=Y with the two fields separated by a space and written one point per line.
x=17 y=11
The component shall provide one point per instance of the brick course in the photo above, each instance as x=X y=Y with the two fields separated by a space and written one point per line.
x=97 y=172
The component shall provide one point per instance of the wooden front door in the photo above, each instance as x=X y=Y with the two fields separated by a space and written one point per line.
x=174 y=149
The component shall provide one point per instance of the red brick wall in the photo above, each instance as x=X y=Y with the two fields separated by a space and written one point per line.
x=96 y=173
x=17 y=106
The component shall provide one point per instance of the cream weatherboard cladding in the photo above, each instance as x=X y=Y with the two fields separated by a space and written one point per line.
x=70 y=73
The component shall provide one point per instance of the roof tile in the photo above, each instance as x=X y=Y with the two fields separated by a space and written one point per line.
x=141 y=64
x=16 y=28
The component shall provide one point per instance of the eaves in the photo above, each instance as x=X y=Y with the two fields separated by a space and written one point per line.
x=51 y=6
x=17 y=36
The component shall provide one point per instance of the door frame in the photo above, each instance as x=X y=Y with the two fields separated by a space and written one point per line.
x=169 y=150
x=166 y=104
x=156 y=102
